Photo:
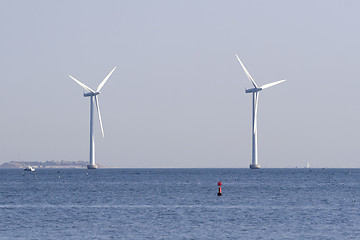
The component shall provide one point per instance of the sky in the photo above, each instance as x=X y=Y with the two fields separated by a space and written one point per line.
x=176 y=99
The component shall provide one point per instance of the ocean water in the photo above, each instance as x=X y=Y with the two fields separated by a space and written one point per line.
x=180 y=204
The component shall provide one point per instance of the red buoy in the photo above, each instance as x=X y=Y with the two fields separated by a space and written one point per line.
x=219 y=193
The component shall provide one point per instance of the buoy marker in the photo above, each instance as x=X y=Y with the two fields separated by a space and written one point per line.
x=219 y=193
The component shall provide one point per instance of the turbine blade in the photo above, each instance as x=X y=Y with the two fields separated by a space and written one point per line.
x=104 y=81
x=98 y=110
x=247 y=73
x=256 y=109
x=81 y=84
x=271 y=84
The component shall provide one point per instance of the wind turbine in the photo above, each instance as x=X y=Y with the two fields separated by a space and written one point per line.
x=255 y=91
x=93 y=98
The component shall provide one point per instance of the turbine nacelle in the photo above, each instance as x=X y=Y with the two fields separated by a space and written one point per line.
x=253 y=90
x=90 y=94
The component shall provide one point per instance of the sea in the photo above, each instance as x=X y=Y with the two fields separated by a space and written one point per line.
x=180 y=204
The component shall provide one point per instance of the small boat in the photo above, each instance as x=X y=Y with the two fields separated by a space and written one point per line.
x=29 y=168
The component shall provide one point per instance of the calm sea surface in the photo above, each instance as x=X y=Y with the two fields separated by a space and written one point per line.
x=180 y=204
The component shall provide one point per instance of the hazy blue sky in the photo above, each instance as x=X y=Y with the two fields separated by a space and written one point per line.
x=177 y=97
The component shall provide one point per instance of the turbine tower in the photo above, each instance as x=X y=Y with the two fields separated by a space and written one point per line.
x=255 y=92
x=93 y=99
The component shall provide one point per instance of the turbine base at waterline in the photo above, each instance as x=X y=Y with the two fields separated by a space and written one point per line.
x=254 y=166
x=92 y=166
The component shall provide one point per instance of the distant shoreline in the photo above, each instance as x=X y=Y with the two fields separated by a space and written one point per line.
x=83 y=165
x=47 y=164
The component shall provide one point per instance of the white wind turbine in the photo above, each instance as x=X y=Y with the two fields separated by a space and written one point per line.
x=255 y=91
x=93 y=98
